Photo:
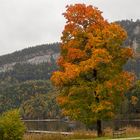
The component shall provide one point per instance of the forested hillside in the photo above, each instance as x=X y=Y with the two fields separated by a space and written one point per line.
x=24 y=81
x=25 y=74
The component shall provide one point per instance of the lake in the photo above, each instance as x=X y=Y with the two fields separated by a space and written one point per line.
x=53 y=125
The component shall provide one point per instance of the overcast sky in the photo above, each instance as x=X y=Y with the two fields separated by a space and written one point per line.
x=25 y=23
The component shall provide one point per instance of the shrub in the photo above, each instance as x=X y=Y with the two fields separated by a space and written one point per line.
x=11 y=126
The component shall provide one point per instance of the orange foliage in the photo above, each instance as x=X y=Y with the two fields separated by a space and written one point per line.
x=101 y=55
x=81 y=14
x=127 y=53
x=75 y=54
x=62 y=100
x=120 y=83
x=60 y=61
x=134 y=100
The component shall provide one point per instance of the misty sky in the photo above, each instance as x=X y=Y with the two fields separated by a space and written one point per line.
x=25 y=23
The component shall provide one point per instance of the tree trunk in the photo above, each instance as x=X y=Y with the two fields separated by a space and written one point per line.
x=99 y=128
x=99 y=122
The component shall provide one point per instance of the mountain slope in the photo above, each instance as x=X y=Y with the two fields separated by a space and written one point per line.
x=32 y=55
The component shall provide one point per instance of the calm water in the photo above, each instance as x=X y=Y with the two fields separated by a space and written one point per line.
x=53 y=125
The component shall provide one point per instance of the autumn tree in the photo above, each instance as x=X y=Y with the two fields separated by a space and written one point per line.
x=91 y=79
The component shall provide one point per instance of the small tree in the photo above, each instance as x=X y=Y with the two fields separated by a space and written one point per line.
x=91 y=77
x=11 y=126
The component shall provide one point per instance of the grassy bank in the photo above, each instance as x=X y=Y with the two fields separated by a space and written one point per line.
x=130 y=132
x=76 y=135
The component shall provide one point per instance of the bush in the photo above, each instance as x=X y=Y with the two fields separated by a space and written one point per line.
x=11 y=126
